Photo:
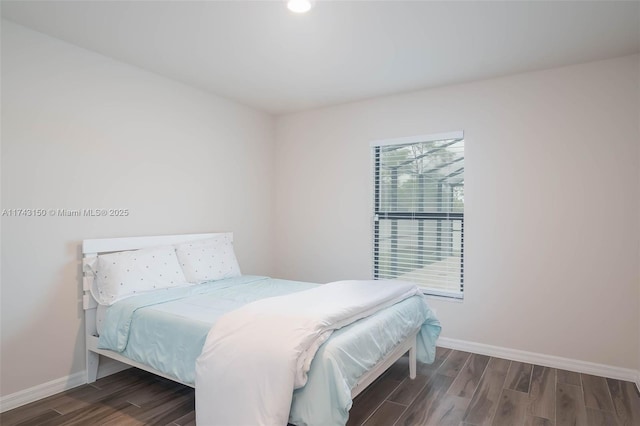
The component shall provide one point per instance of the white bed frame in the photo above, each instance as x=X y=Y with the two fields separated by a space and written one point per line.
x=92 y=248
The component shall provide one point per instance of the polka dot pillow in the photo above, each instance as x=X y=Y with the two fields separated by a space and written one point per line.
x=208 y=260
x=127 y=273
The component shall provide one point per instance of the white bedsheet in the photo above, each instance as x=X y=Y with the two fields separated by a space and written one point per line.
x=254 y=357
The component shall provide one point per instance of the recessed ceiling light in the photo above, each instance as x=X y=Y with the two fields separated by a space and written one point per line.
x=299 y=6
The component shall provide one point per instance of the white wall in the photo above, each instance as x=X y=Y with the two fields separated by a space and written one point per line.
x=551 y=213
x=80 y=130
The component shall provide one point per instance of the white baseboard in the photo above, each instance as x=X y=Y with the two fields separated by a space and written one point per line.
x=43 y=390
x=62 y=384
x=26 y=396
x=578 y=366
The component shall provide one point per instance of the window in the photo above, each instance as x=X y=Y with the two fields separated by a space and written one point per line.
x=418 y=228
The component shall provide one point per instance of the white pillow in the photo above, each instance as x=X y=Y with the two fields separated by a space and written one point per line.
x=123 y=274
x=208 y=260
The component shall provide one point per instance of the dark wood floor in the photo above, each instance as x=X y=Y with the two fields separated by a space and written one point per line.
x=459 y=389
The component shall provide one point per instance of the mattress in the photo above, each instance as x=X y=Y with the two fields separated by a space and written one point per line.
x=167 y=330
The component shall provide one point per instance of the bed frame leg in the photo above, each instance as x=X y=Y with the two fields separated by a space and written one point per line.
x=92 y=366
x=412 y=362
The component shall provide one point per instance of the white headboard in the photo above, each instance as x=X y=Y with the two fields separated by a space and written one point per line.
x=104 y=245
x=94 y=247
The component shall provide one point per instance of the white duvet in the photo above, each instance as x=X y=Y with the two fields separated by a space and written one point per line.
x=254 y=357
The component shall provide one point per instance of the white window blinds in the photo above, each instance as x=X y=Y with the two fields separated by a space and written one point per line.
x=419 y=212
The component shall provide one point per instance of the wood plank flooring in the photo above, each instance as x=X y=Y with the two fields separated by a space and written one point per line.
x=458 y=389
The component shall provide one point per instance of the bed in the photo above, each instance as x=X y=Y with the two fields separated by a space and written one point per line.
x=164 y=331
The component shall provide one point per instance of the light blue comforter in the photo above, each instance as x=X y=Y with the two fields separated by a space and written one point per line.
x=167 y=330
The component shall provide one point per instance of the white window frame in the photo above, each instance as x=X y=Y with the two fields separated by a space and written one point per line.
x=457 y=135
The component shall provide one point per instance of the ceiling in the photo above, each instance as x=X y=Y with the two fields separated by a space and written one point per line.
x=260 y=54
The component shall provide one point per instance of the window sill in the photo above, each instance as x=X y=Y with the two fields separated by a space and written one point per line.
x=444 y=298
